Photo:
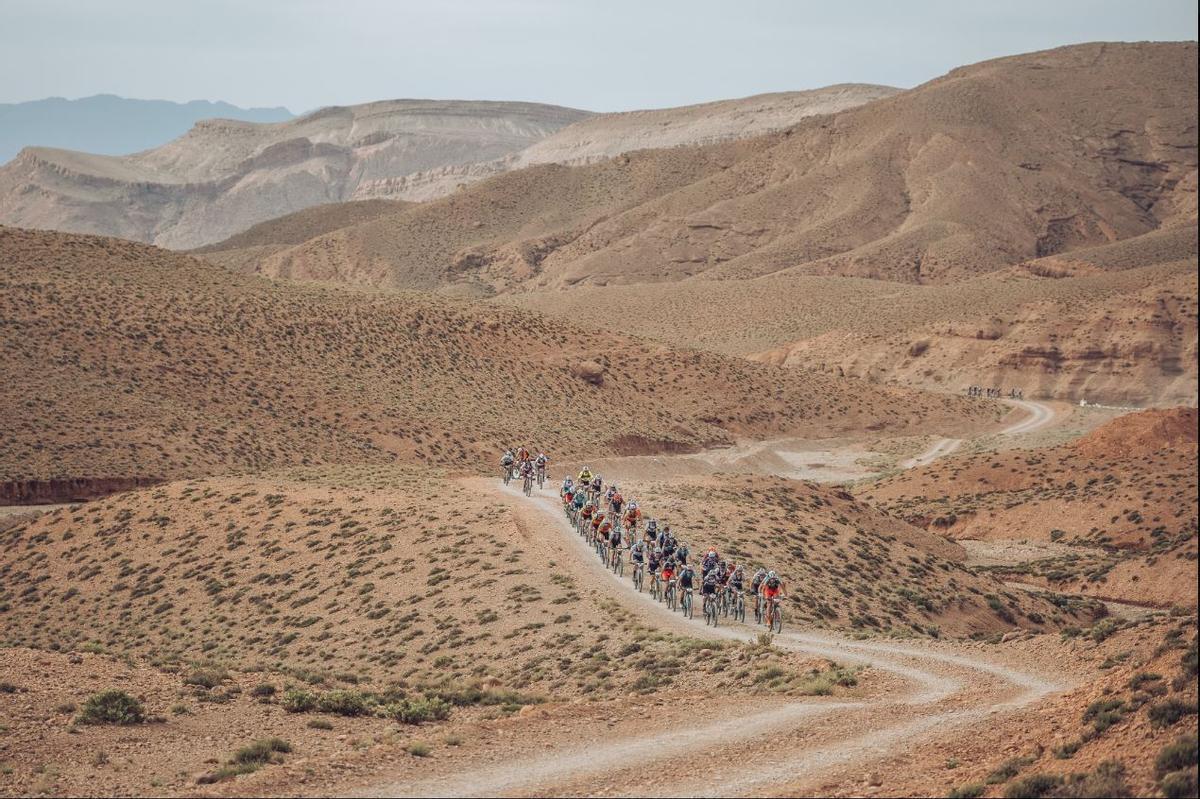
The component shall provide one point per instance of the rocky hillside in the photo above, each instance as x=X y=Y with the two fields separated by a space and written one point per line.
x=127 y=361
x=224 y=175
x=990 y=166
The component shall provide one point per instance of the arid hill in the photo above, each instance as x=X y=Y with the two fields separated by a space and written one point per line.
x=985 y=168
x=609 y=135
x=244 y=250
x=224 y=176
x=1122 y=335
x=846 y=565
x=1114 y=513
x=123 y=361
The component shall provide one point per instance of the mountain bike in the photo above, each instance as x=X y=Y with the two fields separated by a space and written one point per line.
x=639 y=575
x=738 y=606
x=685 y=602
x=601 y=549
x=774 y=615
x=655 y=585
x=670 y=595
x=541 y=477
x=710 y=609
x=617 y=562
x=506 y=473
x=528 y=487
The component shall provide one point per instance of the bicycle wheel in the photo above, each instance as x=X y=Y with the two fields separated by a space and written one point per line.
x=620 y=565
x=670 y=598
x=740 y=615
x=777 y=619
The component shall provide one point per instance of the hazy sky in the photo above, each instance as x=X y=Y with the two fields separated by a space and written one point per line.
x=602 y=55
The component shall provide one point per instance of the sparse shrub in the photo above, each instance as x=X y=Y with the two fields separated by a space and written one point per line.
x=263 y=690
x=1177 y=756
x=320 y=724
x=1103 y=629
x=206 y=678
x=261 y=751
x=1007 y=770
x=1179 y=784
x=111 y=707
x=417 y=749
x=969 y=791
x=1107 y=779
x=1033 y=787
x=1169 y=712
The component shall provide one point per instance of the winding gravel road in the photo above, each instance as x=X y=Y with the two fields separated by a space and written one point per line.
x=945 y=688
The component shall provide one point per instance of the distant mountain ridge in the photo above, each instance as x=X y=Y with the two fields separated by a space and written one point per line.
x=107 y=124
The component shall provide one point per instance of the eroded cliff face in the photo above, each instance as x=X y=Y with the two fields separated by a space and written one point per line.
x=224 y=176
x=1129 y=349
x=73 y=489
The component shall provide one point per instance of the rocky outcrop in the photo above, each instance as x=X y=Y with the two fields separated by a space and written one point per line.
x=68 y=489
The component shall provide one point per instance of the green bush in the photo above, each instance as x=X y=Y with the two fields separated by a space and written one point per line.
x=111 y=707
x=263 y=690
x=343 y=703
x=971 y=791
x=298 y=700
x=416 y=711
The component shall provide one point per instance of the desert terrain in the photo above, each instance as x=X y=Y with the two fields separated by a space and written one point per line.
x=254 y=540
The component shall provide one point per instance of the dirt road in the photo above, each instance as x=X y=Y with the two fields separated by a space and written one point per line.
x=943 y=688
x=1040 y=415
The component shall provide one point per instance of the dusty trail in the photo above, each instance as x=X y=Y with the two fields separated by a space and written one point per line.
x=1040 y=415
x=943 y=690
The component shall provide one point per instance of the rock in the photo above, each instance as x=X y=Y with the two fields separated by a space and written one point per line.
x=1010 y=636
x=589 y=371
x=875 y=779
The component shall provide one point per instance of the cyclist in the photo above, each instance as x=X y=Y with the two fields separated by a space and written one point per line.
x=756 y=584
x=523 y=453
x=586 y=513
x=616 y=501
x=772 y=590
x=668 y=570
x=597 y=486
x=710 y=560
x=708 y=586
x=681 y=553
x=651 y=533
x=541 y=462
x=668 y=542
x=614 y=537
x=506 y=460
x=637 y=552
x=585 y=477
x=568 y=486
x=736 y=579
x=687 y=577
x=598 y=519
x=653 y=563
x=527 y=469
x=632 y=514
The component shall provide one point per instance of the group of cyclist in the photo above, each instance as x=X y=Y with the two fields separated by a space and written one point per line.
x=520 y=461
x=614 y=526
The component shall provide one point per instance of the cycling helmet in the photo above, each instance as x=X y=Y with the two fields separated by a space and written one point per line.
x=771 y=575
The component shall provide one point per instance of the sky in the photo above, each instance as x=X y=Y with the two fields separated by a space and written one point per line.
x=602 y=55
